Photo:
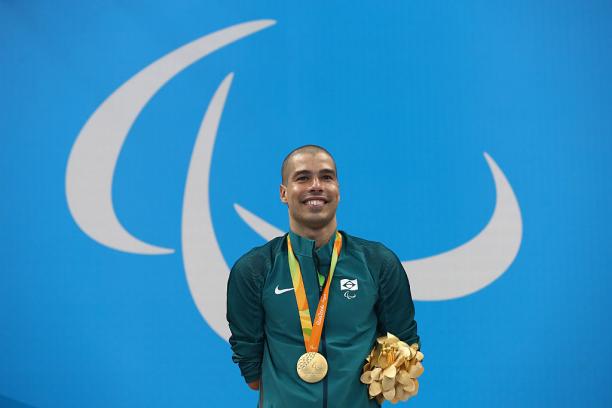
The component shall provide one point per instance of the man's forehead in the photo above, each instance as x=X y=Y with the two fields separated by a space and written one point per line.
x=311 y=161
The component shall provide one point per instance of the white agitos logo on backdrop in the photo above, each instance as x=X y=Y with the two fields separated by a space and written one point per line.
x=91 y=166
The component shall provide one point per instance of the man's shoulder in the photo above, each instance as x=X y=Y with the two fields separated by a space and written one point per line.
x=371 y=249
x=259 y=257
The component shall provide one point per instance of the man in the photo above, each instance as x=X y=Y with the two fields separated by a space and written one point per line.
x=367 y=296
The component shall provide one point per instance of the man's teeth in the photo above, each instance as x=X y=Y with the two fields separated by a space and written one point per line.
x=315 y=202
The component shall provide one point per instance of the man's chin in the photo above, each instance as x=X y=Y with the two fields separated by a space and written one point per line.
x=317 y=222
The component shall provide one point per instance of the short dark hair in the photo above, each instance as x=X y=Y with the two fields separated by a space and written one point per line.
x=310 y=148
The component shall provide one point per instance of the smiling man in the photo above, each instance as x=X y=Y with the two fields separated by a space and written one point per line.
x=305 y=308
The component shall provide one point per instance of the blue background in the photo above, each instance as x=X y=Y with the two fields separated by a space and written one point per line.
x=406 y=95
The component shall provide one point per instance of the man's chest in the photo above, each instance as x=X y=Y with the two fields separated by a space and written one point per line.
x=353 y=294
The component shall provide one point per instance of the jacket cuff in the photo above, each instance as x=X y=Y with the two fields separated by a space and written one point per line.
x=250 y=371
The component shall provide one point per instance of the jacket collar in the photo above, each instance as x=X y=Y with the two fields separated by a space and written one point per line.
x=303 y=246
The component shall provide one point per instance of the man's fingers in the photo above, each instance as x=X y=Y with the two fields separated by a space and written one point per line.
x=254 y=385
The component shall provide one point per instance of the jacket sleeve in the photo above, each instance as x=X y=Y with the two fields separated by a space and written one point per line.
x=245 y=315
x=395 y=308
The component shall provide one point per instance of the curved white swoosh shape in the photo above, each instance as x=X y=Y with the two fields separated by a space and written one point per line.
x=265 y=230
x=205 y=266
x=91 y=165
x=480 y=261
x=460 y=271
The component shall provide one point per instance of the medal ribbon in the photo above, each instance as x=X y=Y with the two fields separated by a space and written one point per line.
x=312 y=330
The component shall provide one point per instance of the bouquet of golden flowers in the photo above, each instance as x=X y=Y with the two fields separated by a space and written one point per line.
x=392 y=369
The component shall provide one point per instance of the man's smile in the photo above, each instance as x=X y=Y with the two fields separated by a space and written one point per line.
x=315 y=202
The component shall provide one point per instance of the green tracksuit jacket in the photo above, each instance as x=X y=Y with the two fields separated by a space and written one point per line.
x=266 y=334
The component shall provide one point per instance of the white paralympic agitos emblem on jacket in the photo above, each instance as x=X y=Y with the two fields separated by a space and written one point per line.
x=91 y=165
x=349 y=287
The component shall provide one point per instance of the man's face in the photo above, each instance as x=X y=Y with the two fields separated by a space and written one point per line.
x=311 y=189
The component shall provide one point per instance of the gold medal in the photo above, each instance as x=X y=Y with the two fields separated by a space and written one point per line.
x=312 y=367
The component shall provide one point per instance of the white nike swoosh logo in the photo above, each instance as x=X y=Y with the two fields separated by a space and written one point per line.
x=278 y=291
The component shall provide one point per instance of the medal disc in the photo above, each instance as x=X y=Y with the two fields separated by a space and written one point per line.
x=312 y=367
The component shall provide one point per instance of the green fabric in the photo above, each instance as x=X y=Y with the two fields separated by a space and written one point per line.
x=266 y=333
x=304 y=247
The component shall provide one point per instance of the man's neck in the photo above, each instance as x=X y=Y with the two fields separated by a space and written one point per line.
x=321 y=236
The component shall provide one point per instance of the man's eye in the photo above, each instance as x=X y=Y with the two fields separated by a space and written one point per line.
x=302 y=178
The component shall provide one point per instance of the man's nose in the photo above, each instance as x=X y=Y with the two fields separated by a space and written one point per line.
x=316 y=184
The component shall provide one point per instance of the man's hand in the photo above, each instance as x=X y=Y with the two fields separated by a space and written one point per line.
x=254 y=385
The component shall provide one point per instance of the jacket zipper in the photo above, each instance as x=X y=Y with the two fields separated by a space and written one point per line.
x=324 y=350
x=323 y=344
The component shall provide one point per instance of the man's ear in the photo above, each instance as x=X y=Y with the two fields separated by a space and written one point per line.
x=283 y=194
